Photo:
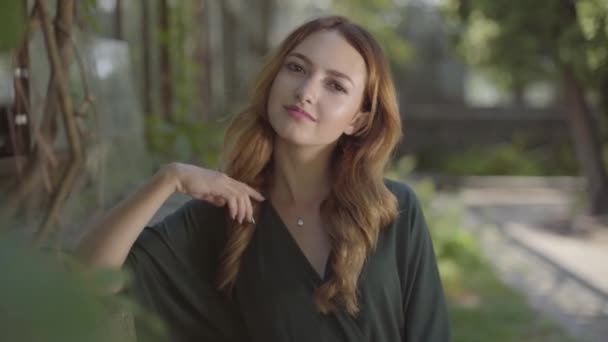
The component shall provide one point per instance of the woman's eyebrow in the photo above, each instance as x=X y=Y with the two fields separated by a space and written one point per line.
x=329 y=71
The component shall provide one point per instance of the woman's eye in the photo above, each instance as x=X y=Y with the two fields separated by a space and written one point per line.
x=294 y=67
x=336 y=86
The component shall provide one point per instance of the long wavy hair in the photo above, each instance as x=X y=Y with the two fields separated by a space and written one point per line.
x=359 y=205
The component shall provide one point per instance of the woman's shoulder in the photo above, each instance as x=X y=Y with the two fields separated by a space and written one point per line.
x=405 y=194
x=410 y=218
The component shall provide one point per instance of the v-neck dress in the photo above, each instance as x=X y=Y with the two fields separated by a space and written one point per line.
x=174 y=264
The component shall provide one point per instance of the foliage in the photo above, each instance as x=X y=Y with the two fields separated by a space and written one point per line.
x=185 y=140
x=517 y=41
x=88 y=11
x=521 y=41
x=13 y=26
x=519 y=157
x=180 y=43
x=53 y=298
x=514 y=159
x=499 y=160
x=383 y=20
x=186 y=136
x=507 y=40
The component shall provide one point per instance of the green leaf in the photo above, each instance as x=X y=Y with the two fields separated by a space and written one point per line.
x=12 y=24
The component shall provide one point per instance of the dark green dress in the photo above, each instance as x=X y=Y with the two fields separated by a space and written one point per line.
x=175 y=261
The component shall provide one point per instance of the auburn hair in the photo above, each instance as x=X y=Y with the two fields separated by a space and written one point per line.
x=359 y=204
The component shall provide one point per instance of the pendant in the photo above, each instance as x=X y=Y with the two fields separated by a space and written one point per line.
x=300 y=222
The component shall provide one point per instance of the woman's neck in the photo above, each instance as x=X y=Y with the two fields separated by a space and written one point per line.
x=301 y=174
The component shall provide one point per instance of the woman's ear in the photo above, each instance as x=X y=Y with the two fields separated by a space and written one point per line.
x=356 y=123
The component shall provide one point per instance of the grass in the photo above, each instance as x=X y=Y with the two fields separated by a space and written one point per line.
x=485 y=309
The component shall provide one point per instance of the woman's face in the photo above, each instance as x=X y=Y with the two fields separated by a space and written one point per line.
x=317 y=94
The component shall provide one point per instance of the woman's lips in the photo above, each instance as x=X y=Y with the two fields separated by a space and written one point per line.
x=299 y=113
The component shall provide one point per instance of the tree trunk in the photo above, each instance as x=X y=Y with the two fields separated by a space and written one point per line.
x=65 y=14
x=585 y=132
x=268 y=8
x=30 y=180
x=21 y=83
x=63 y=32
x=586 y=142
x=230 y=44
x=217 y=78
x=118 y=31
x=146 y=57
x=201 y=57
x=166 y=88
x=518 y=96
x=603 y=90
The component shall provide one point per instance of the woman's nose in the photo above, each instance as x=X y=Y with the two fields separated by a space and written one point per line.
x=306 y=91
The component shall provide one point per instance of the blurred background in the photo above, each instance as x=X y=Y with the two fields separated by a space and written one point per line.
x=505 y=111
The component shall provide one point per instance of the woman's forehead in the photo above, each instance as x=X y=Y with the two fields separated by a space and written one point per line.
x=329 y=50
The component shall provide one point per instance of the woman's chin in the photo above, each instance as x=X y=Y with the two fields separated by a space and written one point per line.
x=294 y=140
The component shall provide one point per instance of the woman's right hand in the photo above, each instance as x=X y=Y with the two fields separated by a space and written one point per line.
x=217 y=188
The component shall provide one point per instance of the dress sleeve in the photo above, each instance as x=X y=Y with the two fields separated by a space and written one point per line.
x=425 y=309
x=173 y=264
x=172 y=239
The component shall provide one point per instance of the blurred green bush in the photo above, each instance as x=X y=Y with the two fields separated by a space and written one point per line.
x=185 y=140
x=48 y=296
x=518 y=158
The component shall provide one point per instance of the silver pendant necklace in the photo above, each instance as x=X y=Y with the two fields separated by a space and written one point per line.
x=300 y=222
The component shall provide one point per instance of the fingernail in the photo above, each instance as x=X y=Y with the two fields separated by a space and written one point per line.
x=252 y=220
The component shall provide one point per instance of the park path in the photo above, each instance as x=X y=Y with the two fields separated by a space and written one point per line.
x=528 y=233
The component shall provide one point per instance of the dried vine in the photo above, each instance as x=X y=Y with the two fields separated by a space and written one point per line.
x=60 y=48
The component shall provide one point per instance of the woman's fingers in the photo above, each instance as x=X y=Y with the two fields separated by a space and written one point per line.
x=242 y=187
x=237 y=196
x=233 y=207
x=249 y=209
x=213 y=199
x=220 y=201
x=244 y=209
x=237 y=209
x=241 y=208
x=252 y=192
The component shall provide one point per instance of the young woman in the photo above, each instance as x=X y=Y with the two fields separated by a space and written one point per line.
x=300 y=237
